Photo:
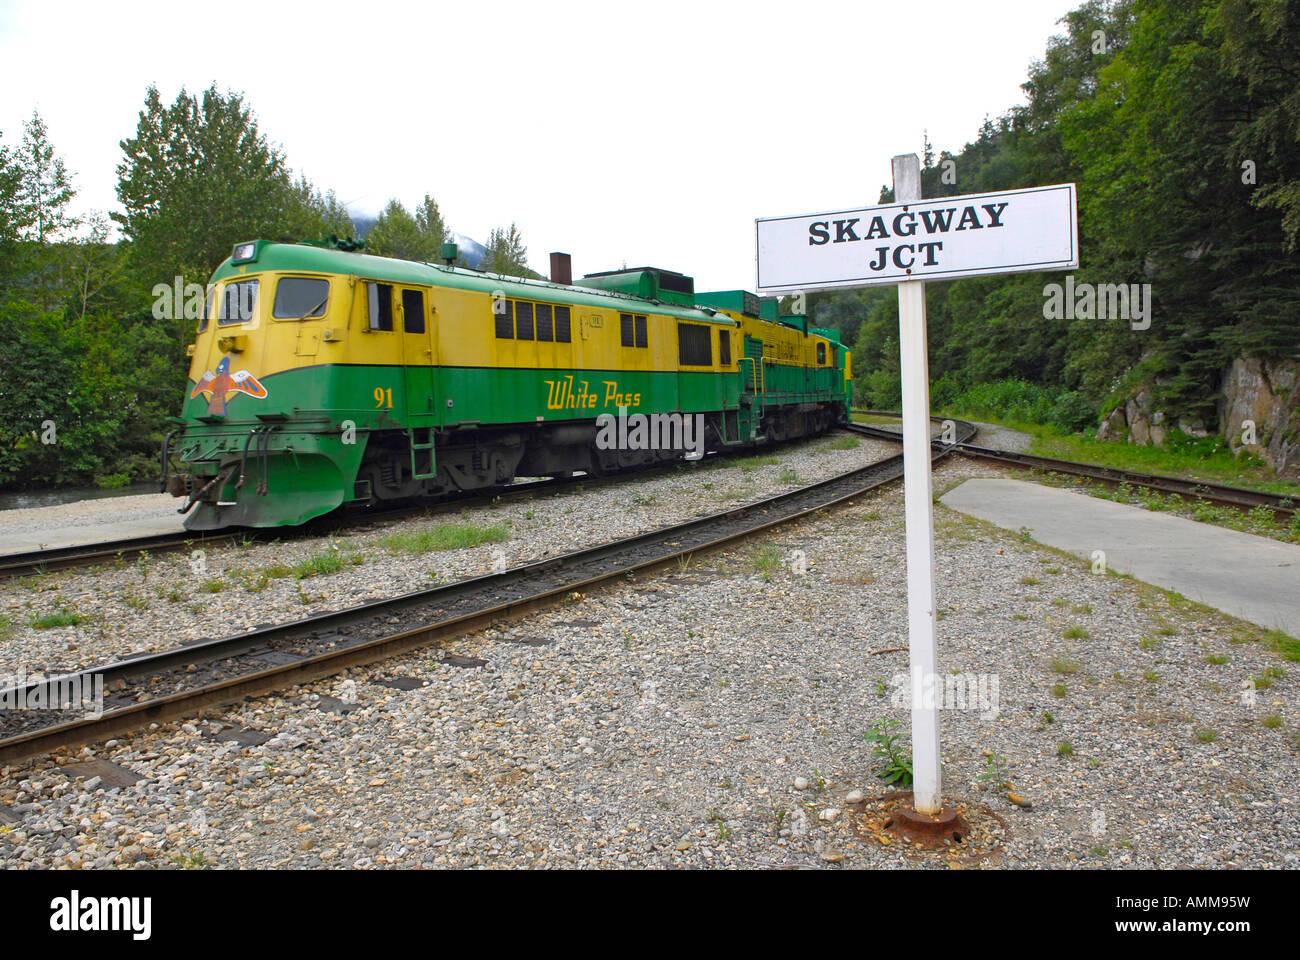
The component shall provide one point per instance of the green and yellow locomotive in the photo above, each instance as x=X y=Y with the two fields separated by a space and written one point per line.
x=322 y=377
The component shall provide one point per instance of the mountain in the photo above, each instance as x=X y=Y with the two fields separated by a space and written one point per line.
x=363 y=224
x=471 y=251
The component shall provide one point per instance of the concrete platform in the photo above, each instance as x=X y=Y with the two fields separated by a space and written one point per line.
x=88 y=521
x=1250 y=577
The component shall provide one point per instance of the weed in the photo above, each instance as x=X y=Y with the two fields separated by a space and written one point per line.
x=1065 y=665
x=897 y=767
x=61 y=617
x=446 y=536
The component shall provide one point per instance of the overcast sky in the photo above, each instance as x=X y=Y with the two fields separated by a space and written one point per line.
x=641 y=134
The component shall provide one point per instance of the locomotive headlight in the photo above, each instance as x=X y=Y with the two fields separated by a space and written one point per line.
x=243 y=252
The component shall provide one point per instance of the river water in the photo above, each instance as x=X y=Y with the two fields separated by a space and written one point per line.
x=47 y=498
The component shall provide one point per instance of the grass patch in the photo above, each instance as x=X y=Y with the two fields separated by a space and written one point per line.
x=749 y=463
x=445 y=536
x=1201 y=459
x=1217 y=659
x=62 y=617
x=1264 y=679
x=1074 y=632
x=1028 y=581
x=1206 y=735
x=788 y=475
x=215 y=585
x=843 y=443
x=1064 y=749
x=1065 y=665
x=765 y=559
x=323 y=564
x=1058 y=690
x=135 y=600
x=1272 y=721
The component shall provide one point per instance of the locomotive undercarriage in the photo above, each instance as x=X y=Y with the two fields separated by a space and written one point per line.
x=480 y=458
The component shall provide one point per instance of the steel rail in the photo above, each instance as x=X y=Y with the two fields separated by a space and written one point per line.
x=49 y=559
x=1282 y=505
x=276 y=657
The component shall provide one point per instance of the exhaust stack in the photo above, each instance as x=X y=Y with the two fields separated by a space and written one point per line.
x=562 y=269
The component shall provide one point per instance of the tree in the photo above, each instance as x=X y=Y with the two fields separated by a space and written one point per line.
x=197 y=177
x=505 y=253
x=428 y=218
x=44 y=187
x=318 y=215
x=399 y=234
x=10 y=217
x=1261 y=46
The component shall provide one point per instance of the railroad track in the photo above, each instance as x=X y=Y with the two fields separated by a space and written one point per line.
x=1283 y=506
x=183 y=681
x=49 y=559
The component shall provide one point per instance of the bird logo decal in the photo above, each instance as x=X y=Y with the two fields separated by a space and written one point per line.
x=221 y=383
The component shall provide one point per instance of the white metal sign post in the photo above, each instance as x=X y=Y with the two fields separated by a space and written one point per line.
x=905 y=243
x=922 y=653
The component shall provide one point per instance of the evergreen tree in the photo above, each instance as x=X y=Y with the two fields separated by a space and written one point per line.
x=428 y=218
x=505 y=253
x=198 y=177
x=44 y=188
x=399 y=234
x=317 y=215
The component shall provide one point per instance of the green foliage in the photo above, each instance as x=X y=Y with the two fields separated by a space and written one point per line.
x=506 y=253
x=44 y=187
x=1022 y=400
x=62 y=617
x=1155 y=130
x=445 y=536
x=323 y=564
x=197 y=177
x=399 y=234
x=897 y=766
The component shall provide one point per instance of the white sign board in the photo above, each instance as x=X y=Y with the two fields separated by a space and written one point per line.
x=1012 y=231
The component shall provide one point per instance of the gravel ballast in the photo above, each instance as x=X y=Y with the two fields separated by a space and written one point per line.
x=715 y=716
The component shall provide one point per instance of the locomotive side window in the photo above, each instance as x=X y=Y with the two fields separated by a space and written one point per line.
x=523 y=320
x=413 y=311
x=503 y=312
x=380 y=301
x=545 y=331
x=298 y=298
x=208 y=304
x=238 y=303
x=633 y=330
x=694 y=345
x=821 y=353
x=724 y=347
x=563 y=325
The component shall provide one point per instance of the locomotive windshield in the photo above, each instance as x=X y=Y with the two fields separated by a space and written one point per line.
x=297 y=298
x=238 y=303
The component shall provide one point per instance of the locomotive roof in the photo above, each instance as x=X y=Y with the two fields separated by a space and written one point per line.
x=316 y=259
